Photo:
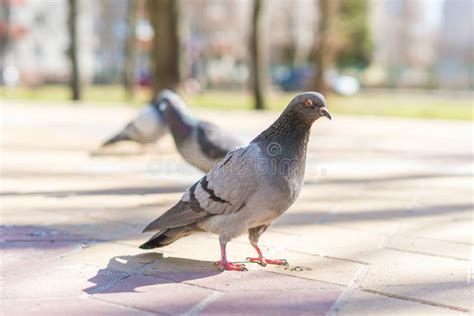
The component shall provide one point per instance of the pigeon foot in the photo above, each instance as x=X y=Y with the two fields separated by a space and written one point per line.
x=264 y=261
x=230 y=266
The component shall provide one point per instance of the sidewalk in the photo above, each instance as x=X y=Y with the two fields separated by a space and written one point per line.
x=383 y=225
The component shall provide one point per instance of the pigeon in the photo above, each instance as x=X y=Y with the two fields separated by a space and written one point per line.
x=248 y=189
x=150 y=124
x=200 y=143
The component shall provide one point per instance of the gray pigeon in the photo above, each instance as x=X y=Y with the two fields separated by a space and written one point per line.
x=150 y=124
x=201 y=143
x=250 y=188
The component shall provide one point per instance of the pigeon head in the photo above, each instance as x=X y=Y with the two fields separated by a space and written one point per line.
x=166 y=97
x=308 y=106
x=295 y=121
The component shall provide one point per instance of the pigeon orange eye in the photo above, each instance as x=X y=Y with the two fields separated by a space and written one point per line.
x=308 y=102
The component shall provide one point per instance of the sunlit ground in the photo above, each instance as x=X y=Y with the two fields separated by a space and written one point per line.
x=398 y=104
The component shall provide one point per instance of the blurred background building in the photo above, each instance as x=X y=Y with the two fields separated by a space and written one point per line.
x=414 y=43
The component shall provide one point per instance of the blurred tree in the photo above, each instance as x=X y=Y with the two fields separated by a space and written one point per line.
x=75 y=81
x=355 y=43
x=4 y=28
x=323 y=48
x=131 y=48
x=165 y=56
x=257 y=62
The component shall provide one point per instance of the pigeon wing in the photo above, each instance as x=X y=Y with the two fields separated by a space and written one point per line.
x=186 y=211
x=214 y=142
x=148 y=126
x=223 y=191
x=226 y=188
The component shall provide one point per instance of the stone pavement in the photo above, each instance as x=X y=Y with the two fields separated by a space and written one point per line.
x=383 y=225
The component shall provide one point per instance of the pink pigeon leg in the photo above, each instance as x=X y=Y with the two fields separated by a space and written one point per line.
x=264 y=261
x=223 y=264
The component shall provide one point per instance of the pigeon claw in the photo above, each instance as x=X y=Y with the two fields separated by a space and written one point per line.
x=260 y=261
x=264 y=261
x=230 y=266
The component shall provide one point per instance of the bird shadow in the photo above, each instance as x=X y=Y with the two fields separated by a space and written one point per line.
x=127 y=273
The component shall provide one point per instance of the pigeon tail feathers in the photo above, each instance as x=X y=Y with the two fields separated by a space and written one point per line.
x=166 y=237
x=117 y=138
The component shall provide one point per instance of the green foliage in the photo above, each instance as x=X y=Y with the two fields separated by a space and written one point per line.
x=394 y=103
x=355 y=42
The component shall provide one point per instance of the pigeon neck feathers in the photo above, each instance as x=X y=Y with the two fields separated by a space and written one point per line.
x=284 y=144
x=291 y=131
x=180 y=123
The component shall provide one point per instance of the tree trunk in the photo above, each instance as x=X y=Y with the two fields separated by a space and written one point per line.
x=131 y=48
x=164 y=16
x=257 y=60
x=75 y=81
x=5 y=37
x=322 y=49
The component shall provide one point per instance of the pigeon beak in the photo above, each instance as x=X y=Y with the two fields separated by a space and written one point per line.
x=323 y=111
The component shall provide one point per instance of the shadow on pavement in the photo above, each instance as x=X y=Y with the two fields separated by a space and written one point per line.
x=112 y=191
x=403 y=177
x=309 y=218
x=127 y=273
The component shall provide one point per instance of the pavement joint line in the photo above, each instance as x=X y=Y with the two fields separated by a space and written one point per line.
x=347 y=293
x=78 y=249
x=309 y=279
x=417 y=300
x=127 y=306
x=471 y=267
x=203 y=304
x=422 y=284
x=428 y=254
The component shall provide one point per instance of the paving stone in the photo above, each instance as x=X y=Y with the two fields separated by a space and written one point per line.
x=35 y=233
x=154 y=294
x=302 y=302
x=77 y=219
x=312 y=267
x=65 y=306
x=449 y=227
x=35 y=273
x=258 y=280
x=391 y=267
x=120 y=257
x=204 y=247
x=327 y=240
x=100 y=230
x=17 y=215
x=362 y=303
x=430 y=246
x=455 y=295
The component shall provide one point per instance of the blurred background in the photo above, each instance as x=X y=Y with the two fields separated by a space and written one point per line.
x=409 y=58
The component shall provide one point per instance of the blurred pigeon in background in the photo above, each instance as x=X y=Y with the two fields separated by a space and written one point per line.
x=150 y=124
x=201 y=143
x=250 y=188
